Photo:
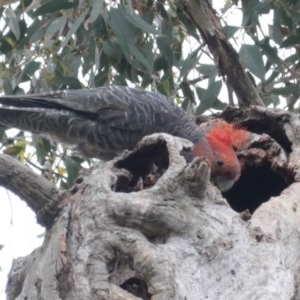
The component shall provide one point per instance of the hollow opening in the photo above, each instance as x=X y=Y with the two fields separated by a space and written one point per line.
x=122 y=274
x=146 y=166
x=258 y=184
x=259 y=123
x=272 y=128
x=255 y=186
x=137 y=287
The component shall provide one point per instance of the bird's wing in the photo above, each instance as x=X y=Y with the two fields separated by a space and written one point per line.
x=115 y=106
x=99 y=121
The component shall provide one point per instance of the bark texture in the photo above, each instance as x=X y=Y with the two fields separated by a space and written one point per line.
x=39 y=194
x=225 y=57
x=172 y=237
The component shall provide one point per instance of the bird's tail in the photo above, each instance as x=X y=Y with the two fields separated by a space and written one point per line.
x=40 y=121
x=67 y=127
x=37 y=101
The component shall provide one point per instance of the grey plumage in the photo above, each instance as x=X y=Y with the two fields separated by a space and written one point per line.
x=101 y=122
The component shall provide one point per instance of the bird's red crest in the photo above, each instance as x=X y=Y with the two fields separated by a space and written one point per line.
x=229 y=135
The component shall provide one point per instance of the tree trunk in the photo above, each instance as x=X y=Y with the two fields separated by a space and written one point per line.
x=138 y=228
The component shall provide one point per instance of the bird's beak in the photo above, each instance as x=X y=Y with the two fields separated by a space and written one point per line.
x=223 y=183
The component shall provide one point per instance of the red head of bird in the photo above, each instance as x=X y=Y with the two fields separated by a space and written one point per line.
x=222 y=140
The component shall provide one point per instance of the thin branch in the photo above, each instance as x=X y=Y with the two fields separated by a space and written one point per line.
x=40 y=195
x=43 y=170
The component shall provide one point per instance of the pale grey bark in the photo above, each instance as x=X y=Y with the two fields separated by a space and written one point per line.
x=39 y=194
x=179 y=237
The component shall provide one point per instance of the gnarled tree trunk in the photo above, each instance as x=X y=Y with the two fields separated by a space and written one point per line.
x=140 y=228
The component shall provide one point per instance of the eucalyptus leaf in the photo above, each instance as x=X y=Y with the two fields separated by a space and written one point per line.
x=291 y=41
x=31 y=67
x=275 y=29
x=207 y=69
x=252 y=58
x=56 y=26
x=13 y=21
x=270 y=52
x=287 y=90
x=53 y=6
x=138 y=22
x=141 y=57
x=43 y=148
x=230 y=30
x=97 y=6
x=121 y=28
x=73 y=168
x=189 y=63
x=209 y=97
x=74 y=28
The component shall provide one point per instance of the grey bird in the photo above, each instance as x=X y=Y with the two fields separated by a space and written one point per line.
x=104 y=121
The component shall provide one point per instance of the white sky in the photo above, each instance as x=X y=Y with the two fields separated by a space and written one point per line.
x=18 y=233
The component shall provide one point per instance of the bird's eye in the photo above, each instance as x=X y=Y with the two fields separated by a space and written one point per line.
x=220 y=163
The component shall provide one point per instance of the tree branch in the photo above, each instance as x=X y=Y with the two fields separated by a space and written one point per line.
x=226 y=58
x=40 y=195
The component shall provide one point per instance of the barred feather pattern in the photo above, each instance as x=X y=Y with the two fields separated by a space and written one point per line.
x=101 y=122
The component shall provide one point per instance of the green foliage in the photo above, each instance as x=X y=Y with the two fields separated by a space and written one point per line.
x=76 y=44
x=273 y=57
x=253 y=60
x=53 y=6
x=71 y=44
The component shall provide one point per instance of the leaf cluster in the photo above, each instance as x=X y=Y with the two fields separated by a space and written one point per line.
x=272 y=54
